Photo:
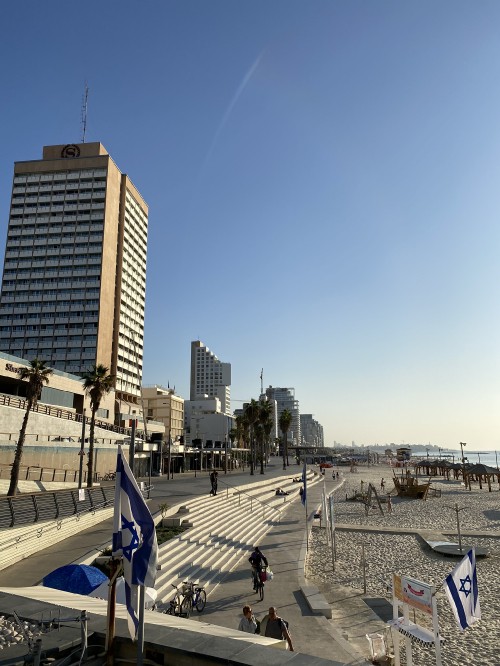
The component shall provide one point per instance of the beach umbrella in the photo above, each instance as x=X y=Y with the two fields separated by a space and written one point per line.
x=482 y=469
x=102 y=592
x=76 y=578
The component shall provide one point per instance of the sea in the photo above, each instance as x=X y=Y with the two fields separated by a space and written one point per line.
x=490 y=458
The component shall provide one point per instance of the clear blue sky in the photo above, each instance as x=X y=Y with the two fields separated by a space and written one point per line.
x=324 y=189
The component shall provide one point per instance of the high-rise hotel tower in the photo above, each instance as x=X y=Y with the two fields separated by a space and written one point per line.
x=74 y=279
x=209 y=376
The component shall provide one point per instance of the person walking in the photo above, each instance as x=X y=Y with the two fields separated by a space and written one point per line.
x=213 y=482
x=248 y=623
x=257 y=560
x=274 y=626
x=382 y=484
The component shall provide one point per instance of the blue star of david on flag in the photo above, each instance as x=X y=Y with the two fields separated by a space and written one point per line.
x=463 y=582
x=133 y=545
x=462 y=592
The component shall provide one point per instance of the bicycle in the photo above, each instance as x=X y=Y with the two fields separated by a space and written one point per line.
x=192 y=597
x=259 y=576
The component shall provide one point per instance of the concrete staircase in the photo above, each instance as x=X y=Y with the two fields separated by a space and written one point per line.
x=224 y=528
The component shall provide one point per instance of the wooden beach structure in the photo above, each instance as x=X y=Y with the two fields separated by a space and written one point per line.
x=408 y=485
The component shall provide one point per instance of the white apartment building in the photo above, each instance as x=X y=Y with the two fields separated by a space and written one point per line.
x=209 y=376
x=285 y=399
x=204 y=420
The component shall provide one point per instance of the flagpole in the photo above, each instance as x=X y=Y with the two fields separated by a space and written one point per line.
x=111 y=612
x=140 y=628
x=110 y=634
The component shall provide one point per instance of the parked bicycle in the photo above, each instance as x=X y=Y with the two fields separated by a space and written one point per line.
x=186 y=599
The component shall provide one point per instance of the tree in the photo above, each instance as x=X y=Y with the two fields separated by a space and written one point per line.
x=252 y=415
x=266 y=422
x=285 y=421
x=97 y=383
x=37 y=375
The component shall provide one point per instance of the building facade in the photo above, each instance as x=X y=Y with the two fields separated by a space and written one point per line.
x=161 y=404
x=74 y=278
x=311 y=431
x=285 y=399
x=209 y=376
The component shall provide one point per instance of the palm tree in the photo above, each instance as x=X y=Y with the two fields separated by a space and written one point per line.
x=285 y=422
x=96 y=383
x=252 y=415
x=232 y=434
x=37 y=375
x=265 y=420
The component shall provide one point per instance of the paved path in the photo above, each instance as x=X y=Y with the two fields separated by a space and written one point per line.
x=284 y=546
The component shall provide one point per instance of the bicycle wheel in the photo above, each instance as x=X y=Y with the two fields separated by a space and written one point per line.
x=261 y=591
x=201 y=601
x=186 y=606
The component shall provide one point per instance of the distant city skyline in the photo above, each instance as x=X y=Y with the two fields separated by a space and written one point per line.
x=322 y=183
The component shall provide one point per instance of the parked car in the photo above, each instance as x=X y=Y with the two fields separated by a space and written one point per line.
x=325 y=464
x=64 y=438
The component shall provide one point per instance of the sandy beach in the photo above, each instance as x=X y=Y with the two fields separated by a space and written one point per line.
x=406 y=554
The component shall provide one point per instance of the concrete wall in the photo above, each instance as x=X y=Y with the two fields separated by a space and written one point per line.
x=38 y=450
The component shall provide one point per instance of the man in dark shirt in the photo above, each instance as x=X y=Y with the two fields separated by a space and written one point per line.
x=257 y=560
x=275 y=627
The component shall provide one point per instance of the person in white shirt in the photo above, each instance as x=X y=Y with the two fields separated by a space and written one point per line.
x=248 y=622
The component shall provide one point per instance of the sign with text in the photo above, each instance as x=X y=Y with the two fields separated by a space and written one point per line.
x=417 y=594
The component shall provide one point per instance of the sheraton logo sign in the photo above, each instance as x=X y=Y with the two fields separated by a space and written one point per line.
x=12 y=368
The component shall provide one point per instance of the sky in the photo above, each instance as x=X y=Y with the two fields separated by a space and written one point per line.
x=323 y=186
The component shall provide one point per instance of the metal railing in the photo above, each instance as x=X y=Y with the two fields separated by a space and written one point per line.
x=252 y=499
x=36 y=473
x=40 y=507
x=59 y=412
x=54 y=525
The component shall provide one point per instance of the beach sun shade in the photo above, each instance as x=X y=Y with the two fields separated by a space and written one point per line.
x=102 y=591
x=76 y=578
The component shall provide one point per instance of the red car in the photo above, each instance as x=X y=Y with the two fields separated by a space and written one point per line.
x=325 y=464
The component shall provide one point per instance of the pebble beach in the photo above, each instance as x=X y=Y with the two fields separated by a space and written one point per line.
x=406 y=554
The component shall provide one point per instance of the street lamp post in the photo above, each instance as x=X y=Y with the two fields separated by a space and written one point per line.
x=169 y=454
x=82 y=452
x=462 y=444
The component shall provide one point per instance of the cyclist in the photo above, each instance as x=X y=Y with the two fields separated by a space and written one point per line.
x=257 y=560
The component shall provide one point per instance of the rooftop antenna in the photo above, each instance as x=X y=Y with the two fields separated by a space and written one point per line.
x=262 y=382
x=84 y=111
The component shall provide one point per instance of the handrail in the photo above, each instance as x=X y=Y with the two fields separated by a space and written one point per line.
x=37 y=473
x=55 y=524
x=19 y=402
x=242 y=492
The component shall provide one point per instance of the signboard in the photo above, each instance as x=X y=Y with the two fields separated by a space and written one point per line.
x=397 y=587
x=417 y=594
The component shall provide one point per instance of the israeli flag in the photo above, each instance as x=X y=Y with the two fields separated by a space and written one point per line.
x=304 y=481
x=462 y=592
x=134 y=539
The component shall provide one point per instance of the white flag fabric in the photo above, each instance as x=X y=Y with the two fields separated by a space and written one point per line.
x=462 y=592
x=134 y=539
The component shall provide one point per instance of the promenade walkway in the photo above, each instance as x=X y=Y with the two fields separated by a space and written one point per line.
x=284 y=545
